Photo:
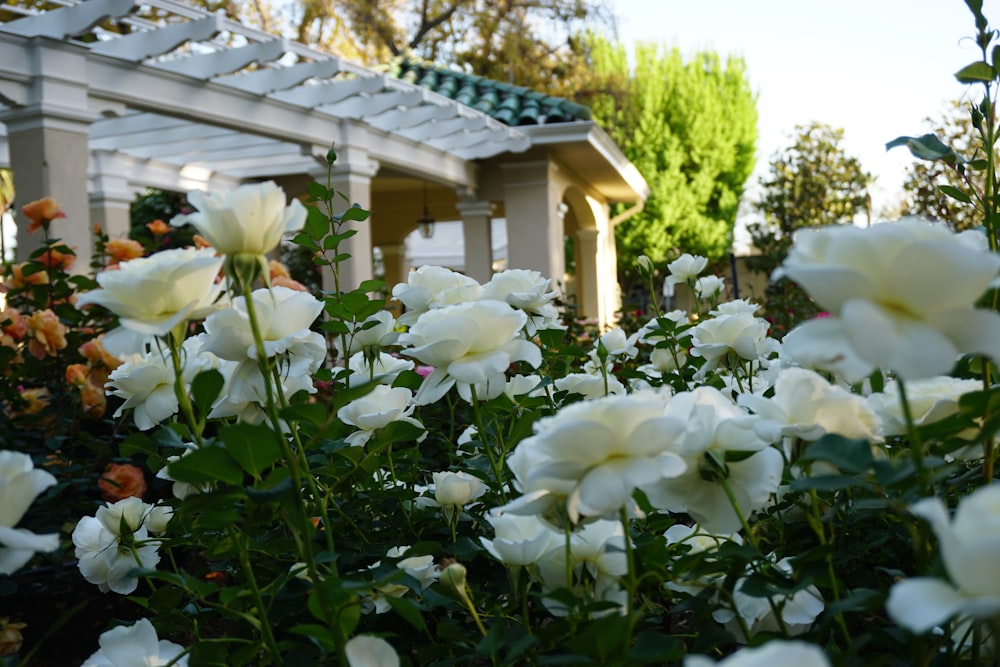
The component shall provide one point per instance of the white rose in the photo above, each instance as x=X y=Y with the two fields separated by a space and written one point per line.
x=377 y=409
x=153 y=295
x=930 y=399
x=128 y=646
x=375 y=331
x=968 y=544
x=520 y=540
x=902 y=295
x=806 y=406
x=433 y=287
x=600 y=451
x=457 y=488
x=370 y=651
x=685 y=267
x=742 y=334
x=772 y=654
x=20 y=484
x=147 y=385
x=708 y=287
x=470 y=343
x=713 y=423
x=249 y=220
x=98 y=540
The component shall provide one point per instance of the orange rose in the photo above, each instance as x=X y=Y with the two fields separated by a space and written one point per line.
x=92 y=399
x=120 y=481
x=10 y=636
x=276 y=268
x=201 y=242
x=55 y=259
x=157 y=227
x=281 y=281
x=41 y=212
x=122 y=250
x=13 y=323
x=94 y=352
x=36 y=399
x=76 y=374
x=49 y=334
x=18 y=279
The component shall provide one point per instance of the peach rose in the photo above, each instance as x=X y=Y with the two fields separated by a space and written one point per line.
x=276 y=268
x=157 y=227
x=13 y=323
x=49 y=334
x=18 y=279
x=93 y=399
x=54 y=259
x=76 y=374
x=122 y=250
x=36 y=400
x=120 y=481
x=282 y=281
x=94 y=352
x=41 y=212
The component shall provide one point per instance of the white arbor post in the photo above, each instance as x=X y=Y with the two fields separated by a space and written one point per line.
x=477 y=229
x=111 y=195
x=47 y=139
x=587 y=284
x=535 y=237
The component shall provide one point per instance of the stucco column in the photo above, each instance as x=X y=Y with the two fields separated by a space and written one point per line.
x=477 y=228
x=535 y=237
x=353 y=178
x=48 y=156
x=47 y=139
x=111 y=196
x=587 y=274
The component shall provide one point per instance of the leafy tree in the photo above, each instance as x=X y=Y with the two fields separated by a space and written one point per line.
x=812 y=183
x=923 y=194
x=690 y=127
x=525 y=42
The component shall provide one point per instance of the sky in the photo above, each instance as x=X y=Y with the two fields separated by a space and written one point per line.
x=876 y=68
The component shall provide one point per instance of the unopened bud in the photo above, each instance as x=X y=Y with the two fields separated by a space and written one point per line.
x=453 y=577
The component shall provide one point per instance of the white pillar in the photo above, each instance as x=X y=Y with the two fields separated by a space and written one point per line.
x=111 y=196
x=535 y=237
x=477 y=229
x=48 y=143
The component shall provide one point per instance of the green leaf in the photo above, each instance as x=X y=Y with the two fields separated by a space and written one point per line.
x=318 y=632
x=139 y=443
x=276 y=485
x=372 y=285
x=974 y=72
x=317 y=190
x=846 y=454
x=208 y=464
x=408 y=610
x=355 y=214
x=927 y=147
x=317 y=224
x=955 y=193
x=254 y=446
x=205 y=388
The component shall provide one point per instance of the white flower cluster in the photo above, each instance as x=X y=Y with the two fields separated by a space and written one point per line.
x=116 y=541
x=20 y=484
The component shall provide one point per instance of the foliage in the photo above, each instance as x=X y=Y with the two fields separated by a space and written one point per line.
x=543 y=511
x=928 y=183
x=690 y=126
x=811 y=183
x=525 y=42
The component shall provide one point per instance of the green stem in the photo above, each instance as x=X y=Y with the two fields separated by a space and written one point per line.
x=631 y=578
x=175 y=346
x=495 y=465
x=258 y=600
x=916 y=442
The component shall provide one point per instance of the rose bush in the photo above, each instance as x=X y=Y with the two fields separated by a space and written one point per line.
x=677 y=486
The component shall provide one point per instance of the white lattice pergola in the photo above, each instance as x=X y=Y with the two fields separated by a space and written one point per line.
x=192 y=100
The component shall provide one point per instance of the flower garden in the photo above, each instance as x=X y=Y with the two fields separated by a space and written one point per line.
x=205 y=464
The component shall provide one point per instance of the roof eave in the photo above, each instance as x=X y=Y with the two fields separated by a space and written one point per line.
x=588 y=149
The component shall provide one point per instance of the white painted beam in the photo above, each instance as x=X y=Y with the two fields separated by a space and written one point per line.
x=67 y=21
x=141 y=45
x=281 y=78
x=207 y=65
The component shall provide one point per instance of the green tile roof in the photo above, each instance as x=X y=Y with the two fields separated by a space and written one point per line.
x=509 y=104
